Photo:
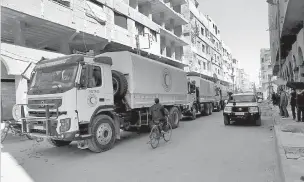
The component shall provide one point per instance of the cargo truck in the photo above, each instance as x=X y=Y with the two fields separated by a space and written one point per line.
x=201 y=96
x=90 y=99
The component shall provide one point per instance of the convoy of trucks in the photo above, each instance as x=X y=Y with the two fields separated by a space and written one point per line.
x=90 y=99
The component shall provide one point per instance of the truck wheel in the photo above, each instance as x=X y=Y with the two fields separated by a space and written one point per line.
x=258 y=122
x=120 y=84
x=174 y=117
x=193 y=113
x=58 y=143
x=205 y=110
x=103 y=134
x=226 y=120
x=211 y=109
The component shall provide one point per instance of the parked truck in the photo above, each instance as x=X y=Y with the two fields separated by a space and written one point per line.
x=90 y=99
x=201 y=96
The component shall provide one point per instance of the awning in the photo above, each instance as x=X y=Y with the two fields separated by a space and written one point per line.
x=17 y=58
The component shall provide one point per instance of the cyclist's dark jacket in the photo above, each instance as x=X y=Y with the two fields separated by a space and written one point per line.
x=158 y=112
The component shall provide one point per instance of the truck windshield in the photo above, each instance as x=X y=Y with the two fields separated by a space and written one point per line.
x=243 y=98
x=55 y=78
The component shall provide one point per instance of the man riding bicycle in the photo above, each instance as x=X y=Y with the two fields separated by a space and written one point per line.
x=159 y=114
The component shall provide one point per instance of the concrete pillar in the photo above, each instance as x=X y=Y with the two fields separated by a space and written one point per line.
x=171 y=26
x=162 y=19
x=173 y=50
x=18 y=33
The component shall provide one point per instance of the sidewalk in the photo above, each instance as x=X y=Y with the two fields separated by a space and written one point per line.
x=290 y=147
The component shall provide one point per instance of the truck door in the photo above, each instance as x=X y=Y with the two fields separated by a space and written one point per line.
x=90 y=93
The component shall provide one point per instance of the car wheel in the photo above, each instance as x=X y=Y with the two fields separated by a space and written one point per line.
x=226 y=120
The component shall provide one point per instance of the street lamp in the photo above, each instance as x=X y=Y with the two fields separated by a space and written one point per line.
x=271 y=2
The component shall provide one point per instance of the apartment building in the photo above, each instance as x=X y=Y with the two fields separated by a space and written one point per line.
x=34 y=29
x=204 y=54
x=227 y=64
x=286 y=29
x=265 y=72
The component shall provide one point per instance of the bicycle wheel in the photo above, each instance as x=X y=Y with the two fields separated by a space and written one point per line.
x=168 y=133
x=4 y=132
x=154 y=137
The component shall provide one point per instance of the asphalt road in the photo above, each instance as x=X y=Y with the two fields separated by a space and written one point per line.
x=204 y=150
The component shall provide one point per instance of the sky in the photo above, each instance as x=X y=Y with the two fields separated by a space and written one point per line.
x=243 y=25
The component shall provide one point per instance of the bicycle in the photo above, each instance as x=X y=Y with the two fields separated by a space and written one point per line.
x=15 y=127
x=157 y=133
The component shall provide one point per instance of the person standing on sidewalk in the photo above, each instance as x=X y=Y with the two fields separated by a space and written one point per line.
x=293 y=103
x=300 y=105
x=283 y=103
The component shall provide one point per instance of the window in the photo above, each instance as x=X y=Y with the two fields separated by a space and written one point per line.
x=120 y=20
x=262 y=60
x=203 y=47
x=202 y=31
x=204 y=64
x=140 y=28
x=153 y=33
x=95 y=79
x=207 y=49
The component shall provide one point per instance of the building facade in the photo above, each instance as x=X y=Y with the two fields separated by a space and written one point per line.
x=173 y=31
x=286 y=30
x=206 y=54
x=265 y=72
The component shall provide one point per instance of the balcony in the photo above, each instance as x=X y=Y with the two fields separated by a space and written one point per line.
x=159 y=7
x=179 y=41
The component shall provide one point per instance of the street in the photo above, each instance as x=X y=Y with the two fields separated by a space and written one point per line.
x=204 y=150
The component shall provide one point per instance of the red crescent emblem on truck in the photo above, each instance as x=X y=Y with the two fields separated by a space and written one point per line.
x=167 y=80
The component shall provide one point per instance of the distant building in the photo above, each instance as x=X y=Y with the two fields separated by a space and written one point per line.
x=265 y=72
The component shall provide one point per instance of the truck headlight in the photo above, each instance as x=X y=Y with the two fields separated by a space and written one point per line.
x=65 y=124
x=16 y=112
x=253 y=109
x=228 y=109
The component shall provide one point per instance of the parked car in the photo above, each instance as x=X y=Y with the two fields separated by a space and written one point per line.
x=243 y=106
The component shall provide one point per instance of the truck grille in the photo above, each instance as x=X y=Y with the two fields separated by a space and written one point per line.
x=240 y=109
x=42 y=102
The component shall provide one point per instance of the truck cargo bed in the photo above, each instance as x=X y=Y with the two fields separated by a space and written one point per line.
x=148 y=79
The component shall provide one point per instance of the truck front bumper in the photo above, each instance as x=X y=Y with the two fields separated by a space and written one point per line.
x=246 y=116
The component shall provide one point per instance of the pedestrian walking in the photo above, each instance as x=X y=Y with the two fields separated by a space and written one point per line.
x=283 y=103
x=274 y=98
x=300 y=105
x=293 y=103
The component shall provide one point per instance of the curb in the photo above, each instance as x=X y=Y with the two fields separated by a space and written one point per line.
x=280 y=152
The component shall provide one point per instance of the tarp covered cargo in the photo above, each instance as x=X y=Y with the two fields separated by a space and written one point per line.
x=148 y=79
